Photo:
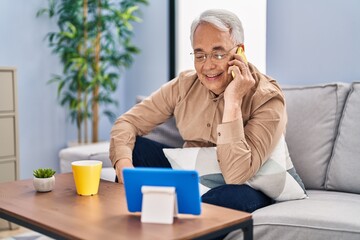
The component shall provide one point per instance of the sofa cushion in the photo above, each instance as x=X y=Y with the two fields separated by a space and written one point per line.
x=166 y=133
x=203 y=160
x=313 y=116
x=108 y=174
x=277 y=178
x=95 y=151
x=324 y=215
x=343 y=173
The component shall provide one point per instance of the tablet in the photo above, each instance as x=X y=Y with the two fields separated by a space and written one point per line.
x=186 y=183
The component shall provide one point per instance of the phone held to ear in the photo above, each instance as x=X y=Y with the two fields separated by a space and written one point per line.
x=241 y=53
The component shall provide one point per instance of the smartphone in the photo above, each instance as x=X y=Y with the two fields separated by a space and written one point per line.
x=240 y=52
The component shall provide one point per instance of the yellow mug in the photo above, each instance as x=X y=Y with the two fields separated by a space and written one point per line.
x=87 y=176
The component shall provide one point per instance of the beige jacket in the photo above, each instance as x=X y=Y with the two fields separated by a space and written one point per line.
x=242 y=145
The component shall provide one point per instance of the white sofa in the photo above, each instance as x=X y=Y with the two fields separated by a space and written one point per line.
x=94 y=151
x=323 y=136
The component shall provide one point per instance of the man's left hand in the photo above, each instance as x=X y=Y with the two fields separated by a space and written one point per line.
x=242 y=82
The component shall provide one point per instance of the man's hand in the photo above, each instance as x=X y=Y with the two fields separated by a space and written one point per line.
x=243 y=80
x=120 y=165
x=241 y=84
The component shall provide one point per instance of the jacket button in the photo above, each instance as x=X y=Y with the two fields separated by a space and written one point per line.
x=219 y=134
x=208 y=125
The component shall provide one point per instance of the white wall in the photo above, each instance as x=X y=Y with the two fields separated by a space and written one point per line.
x=44 y=126
x=252 y=14
x=150 y=69
x=42 y=123
x=307 y=42
x=313 y=41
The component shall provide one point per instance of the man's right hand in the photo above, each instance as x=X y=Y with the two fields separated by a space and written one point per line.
x=120 y=165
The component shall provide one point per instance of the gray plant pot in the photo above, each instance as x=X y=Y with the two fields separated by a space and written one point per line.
x=44 y=184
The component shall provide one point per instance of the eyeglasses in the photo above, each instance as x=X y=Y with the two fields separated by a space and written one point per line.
x=216 y=56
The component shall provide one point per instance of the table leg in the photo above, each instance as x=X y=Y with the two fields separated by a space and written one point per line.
x=248 y=231
x=246 y=227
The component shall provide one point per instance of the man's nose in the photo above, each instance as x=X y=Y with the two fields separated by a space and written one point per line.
x=209 y=62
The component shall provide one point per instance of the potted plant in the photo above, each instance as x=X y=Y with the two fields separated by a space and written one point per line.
x=94 y=44
x=44 y=179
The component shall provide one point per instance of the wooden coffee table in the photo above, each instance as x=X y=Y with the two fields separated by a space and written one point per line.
x=62 y=214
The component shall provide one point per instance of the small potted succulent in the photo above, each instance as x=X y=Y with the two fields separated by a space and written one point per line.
x=44 y=179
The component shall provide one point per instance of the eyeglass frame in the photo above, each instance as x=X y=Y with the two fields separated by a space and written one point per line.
x=211 y=55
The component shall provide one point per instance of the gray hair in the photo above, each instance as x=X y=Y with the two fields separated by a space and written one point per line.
x=223 y=20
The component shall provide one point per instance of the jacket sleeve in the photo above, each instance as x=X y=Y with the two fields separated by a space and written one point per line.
x=243 y=148
x=141 y=119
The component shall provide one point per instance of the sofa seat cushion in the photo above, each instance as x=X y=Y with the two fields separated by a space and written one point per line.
x=324 y=215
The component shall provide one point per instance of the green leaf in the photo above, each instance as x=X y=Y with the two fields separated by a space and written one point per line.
x=77 y=53
x=44 y=173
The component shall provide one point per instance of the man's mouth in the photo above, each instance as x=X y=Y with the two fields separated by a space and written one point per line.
x=212 y=76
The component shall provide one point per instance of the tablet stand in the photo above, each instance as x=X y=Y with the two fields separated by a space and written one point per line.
x=159 y=204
